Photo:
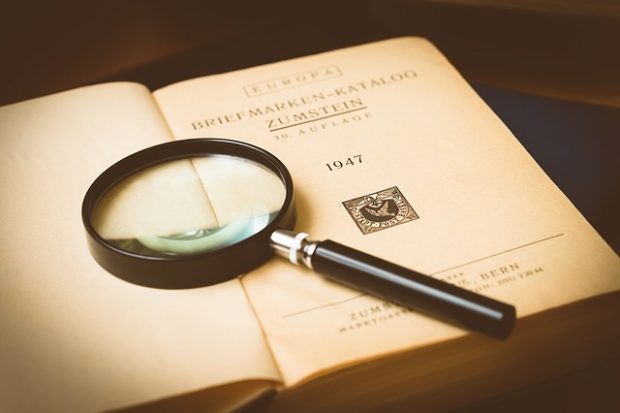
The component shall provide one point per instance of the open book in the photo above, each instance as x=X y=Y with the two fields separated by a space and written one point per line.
x=386 y=119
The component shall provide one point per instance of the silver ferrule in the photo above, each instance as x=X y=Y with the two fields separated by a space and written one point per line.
x=294 y=246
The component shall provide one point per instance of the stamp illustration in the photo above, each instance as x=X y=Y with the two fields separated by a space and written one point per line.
x=380 y=210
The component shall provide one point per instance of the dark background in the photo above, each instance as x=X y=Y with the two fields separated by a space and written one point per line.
x=569 y=52
x=552 y=49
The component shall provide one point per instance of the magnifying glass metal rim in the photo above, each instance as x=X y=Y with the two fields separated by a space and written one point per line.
x=176 y=272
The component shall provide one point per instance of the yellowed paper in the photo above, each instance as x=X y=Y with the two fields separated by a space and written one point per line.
x=351 y=126
x=75 y=338
x=239 y=189
x=165 y=199
x=209 y=202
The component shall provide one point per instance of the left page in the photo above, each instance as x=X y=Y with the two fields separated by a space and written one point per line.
x=75 y=338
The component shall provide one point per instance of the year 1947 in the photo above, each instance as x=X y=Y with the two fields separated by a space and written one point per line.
x=350 y=161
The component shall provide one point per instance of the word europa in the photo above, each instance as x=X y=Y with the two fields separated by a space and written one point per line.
x=297 y=79
x=355 y=159
x=319 y=98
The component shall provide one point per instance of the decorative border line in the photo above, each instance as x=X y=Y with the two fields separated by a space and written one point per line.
x=318 y=119
x=497 y=253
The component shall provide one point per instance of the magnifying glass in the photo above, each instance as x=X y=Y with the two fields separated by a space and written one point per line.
x=197 y=212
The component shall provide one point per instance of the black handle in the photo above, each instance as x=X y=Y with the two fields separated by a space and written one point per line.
x=413 y=290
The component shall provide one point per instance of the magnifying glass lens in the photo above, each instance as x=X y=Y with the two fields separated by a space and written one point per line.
x=189 y=206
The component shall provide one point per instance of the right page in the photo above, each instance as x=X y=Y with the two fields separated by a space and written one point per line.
x=393 y=153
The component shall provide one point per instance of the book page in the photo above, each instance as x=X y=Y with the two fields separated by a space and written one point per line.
x=74 y=337
x=392 y=153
